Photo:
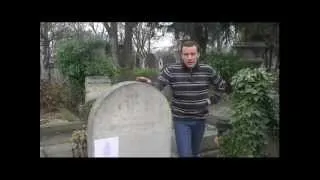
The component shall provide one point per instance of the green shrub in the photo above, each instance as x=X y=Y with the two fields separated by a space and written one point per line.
x=252 y=111
x=226 y=64
x=79 y=58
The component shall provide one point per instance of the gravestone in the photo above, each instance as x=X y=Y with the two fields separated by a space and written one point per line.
x=95 y=86
x=168 y=59
x=131 y=119
x=251 y=52
x=151 y=61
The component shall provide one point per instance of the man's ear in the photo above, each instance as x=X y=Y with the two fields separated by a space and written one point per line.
x=198 y=55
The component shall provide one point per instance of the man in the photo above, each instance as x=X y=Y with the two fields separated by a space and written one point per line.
x=190 y=82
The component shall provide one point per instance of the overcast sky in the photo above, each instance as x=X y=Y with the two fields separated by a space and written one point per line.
x=163 y=42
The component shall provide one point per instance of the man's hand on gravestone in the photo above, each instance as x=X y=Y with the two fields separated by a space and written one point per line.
x=143 y=79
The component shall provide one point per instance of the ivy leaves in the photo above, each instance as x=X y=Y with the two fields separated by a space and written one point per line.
x=252 y=111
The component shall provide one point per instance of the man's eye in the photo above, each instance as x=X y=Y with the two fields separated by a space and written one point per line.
x=185 y=54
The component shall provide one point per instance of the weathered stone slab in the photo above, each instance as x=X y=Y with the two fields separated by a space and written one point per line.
x=137 y=116
x=95 y=86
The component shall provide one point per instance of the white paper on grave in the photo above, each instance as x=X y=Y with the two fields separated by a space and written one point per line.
x=107 y=147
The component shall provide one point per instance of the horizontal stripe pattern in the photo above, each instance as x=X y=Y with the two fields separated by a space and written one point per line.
x=190 y=89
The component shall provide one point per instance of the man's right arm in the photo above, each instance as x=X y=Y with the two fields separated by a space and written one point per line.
x=163 y=79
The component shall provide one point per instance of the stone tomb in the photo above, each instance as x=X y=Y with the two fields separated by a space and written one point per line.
x=251 y=52
x=131 y=119
x=95 y=86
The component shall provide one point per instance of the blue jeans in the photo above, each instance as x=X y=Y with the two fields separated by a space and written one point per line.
x=189 y=134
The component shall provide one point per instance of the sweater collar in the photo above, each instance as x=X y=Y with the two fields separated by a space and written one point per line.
x=196 y=67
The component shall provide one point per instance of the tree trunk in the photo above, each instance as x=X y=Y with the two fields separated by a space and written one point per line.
x=138 y=64
x=113 y=36
x=141 y=36
x=49 y=66
x=266 y=57
x=43 y=73
x=149 y=44
x=44 y=50
x=278 y=60
x=270 y=59
x=127 y=60
x=200 y=34
x=114 y=43
x=219 y=44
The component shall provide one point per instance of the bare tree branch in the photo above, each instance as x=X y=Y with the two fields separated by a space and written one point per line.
x=102 y=33
x=107 y=26
x=93 y=28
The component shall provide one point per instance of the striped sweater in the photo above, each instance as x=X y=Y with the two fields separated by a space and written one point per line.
x=190 y=89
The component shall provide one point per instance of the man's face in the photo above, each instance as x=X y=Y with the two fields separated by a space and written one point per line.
x=190 y=56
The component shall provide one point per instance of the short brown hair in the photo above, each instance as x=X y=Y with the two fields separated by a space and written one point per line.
x=189 y=43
